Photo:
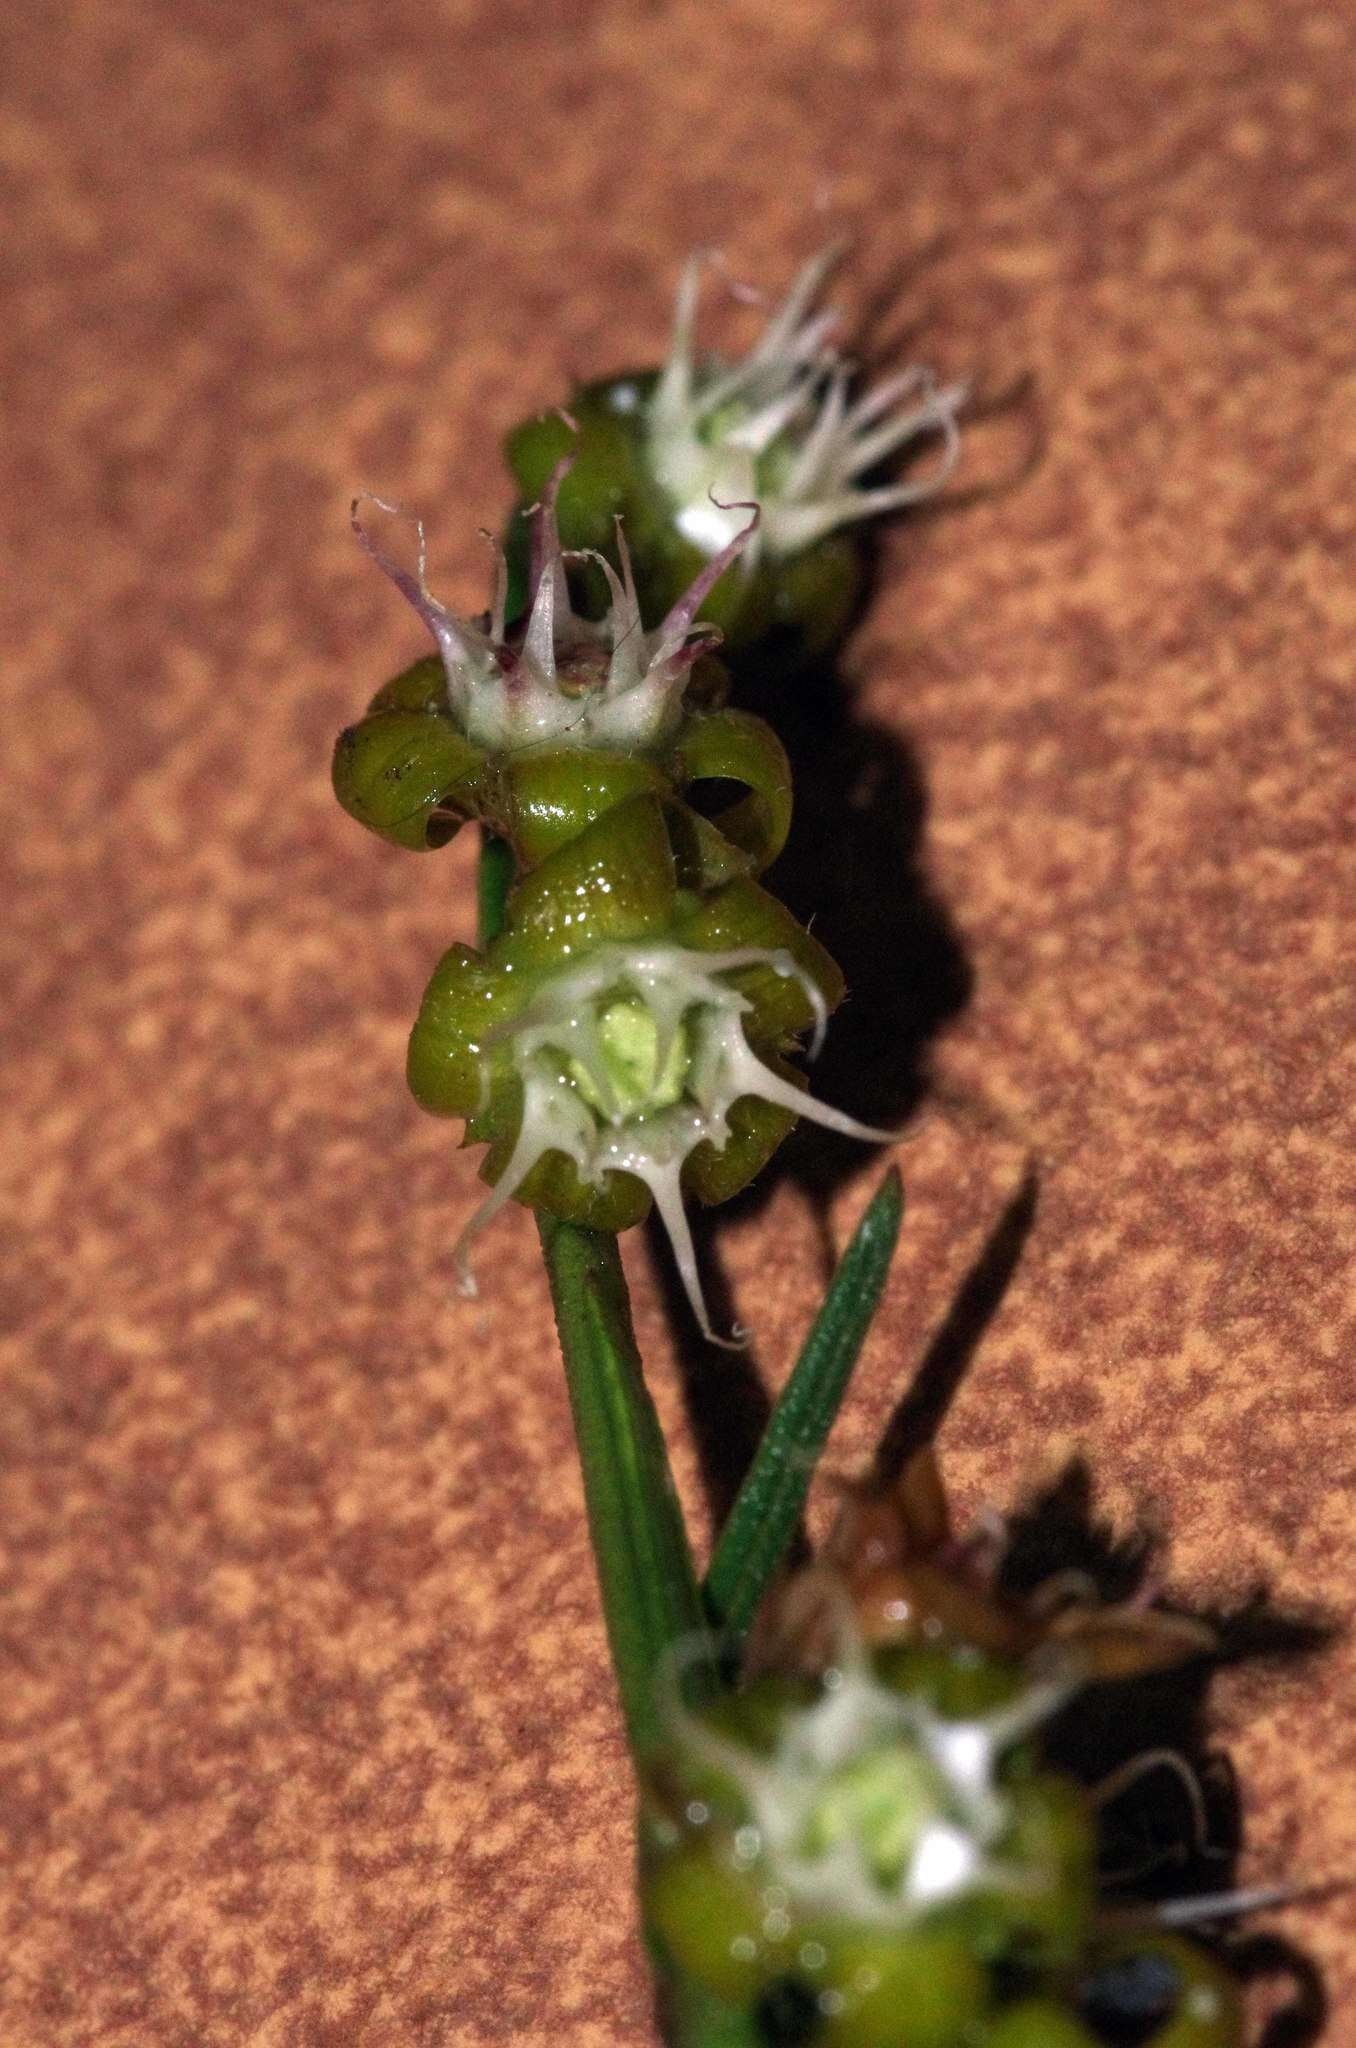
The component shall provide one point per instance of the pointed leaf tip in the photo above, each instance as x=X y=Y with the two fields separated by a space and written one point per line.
x=765 y=1515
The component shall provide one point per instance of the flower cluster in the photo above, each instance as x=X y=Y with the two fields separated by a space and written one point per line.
x=862 y=1846
x=558 y=678
x=878 y=1850
x=626 y=1040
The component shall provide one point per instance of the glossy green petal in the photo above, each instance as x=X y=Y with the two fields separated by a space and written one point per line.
x=614 y=882
x=409 y=776
x=735 y=747
x=1041 y=1921
x=601 y=481
x=893 y=1990
x=554 y=794
x=462 y=1005
x=1037 y=2023
x=743 y=914
x=711 y=1920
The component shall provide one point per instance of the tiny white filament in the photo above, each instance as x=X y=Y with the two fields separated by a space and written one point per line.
x=628 y=686
x=778 y=427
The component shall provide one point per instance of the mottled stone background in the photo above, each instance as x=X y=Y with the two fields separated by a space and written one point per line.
x=307 y=1735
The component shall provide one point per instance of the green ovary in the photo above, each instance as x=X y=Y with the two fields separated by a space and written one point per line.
x=638 y=1082
x=882 y=1801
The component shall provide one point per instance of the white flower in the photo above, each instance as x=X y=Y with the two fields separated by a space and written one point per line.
x=630 y=1061
x=874 y=1807
x=561 y=680
x=778 y=426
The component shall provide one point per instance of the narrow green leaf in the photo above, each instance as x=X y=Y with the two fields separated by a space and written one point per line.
x=772 y=1497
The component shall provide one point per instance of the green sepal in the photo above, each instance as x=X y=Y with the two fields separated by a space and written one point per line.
x=554 y=794
x=757 y=1128
x=877 y=1976
x=614 y=882
x=1037 y=2023
x=499 y=1119
x=464 y=1001
x=734 y=746
x=601 y=480
x=743 y=914
x=554 y=1187
x=818 y=593
x=621 y=1200
x=405 y=770
x=420 y=687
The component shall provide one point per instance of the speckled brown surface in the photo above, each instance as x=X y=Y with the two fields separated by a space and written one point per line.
x=307 y=1737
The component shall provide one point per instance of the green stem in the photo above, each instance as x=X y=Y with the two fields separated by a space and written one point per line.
x=494 y=879
x=693 y=2018
x=645 y=1573
x=650 y=1596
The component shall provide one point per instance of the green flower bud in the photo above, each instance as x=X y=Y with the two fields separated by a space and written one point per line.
x=779 y=427
x=539 y=744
